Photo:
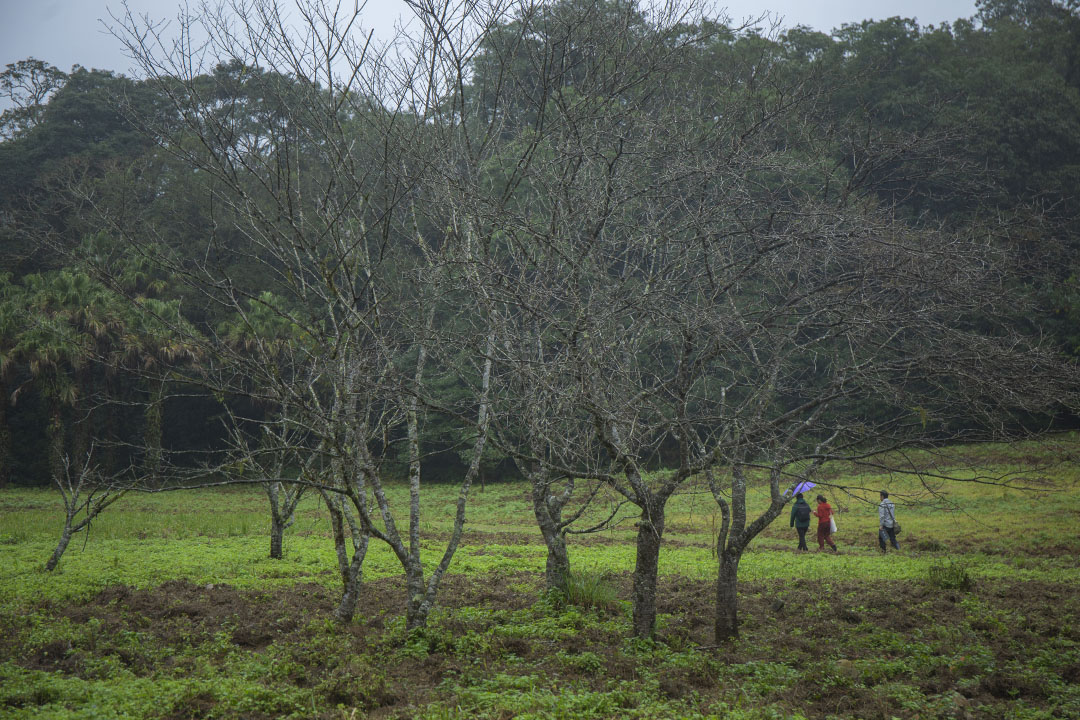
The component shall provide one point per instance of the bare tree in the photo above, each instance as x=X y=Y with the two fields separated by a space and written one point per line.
x=585 y=133
x=314 y=150
x=86 y=493
x=622 y=214
x=557 y=106
x=665 y=219
x=283 y=464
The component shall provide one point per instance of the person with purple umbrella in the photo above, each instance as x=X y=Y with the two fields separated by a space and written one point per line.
x=800 y=519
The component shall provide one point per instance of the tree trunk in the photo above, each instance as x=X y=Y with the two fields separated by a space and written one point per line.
x=277 y=529
x=650 y=533
x=415 y=612
x=277 y=523
x=350 y=570
x=5 y=437
x=422 y=596
x=351 y=590
x=65 y=538
x=416 y=609
x=727 y=603
x=152 y=434
x=56 y=441
x=558 y=559
x=351 y=574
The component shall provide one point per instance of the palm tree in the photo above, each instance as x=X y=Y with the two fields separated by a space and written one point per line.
x=11 y=325
x=153 y=336
x=83 y=319
x=53 y=352
x=159 y=339
x=71 y=323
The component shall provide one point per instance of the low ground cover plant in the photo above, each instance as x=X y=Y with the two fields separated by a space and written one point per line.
x=950 y=575
x=171 y=609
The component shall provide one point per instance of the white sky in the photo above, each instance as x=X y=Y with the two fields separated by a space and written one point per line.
x=66 y=32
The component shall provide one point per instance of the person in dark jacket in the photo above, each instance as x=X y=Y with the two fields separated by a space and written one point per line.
x=800 y=519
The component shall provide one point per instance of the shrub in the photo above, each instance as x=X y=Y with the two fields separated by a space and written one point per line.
x=950 y=576
x=932 y=545
x=589 y=590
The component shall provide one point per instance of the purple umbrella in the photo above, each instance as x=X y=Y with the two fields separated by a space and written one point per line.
x=803 y=486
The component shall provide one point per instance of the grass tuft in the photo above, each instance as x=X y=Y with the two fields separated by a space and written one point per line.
x=950 y=575
x=932 y=545
x=590 y=589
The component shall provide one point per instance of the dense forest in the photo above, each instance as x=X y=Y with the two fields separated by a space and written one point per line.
x=951 y=126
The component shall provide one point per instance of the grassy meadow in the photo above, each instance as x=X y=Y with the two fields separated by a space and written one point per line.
x=171 y=608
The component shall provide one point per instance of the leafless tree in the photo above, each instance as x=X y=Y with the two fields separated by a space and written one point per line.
x=282 y=461
x=586 y=131
x=315 y=149
x=667 y=230
x=557 y=112
x=537 y=420
x=86 y=493
x=612 y=225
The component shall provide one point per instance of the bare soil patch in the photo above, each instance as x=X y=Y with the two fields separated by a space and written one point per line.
x=365 y=667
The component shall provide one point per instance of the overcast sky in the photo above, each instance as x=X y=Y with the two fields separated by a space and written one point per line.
x=66 y=32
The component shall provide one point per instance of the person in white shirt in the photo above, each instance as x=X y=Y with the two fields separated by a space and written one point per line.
x=886 y=512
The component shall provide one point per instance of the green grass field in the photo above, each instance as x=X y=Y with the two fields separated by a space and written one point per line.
x=171 y=608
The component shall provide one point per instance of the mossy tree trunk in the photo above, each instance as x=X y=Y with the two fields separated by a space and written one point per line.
x=350 y=569
x=650 y=533
x=547 y=508
x=5 y=436
x=736 y=533
x=152 y=433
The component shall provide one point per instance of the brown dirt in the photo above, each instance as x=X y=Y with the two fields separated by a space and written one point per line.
x=832 y=618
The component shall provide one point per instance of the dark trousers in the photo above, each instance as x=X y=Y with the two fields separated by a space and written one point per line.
x=824 y=535
x=887 y=534
x=802 y=537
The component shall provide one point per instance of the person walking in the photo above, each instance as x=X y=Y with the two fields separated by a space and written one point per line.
x=824 y=526
x=886 y=513
x=800 y=519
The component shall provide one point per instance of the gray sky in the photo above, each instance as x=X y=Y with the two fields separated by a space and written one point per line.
x=66 y=32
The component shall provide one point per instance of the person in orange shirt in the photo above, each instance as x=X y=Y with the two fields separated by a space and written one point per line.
x=824 y=528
